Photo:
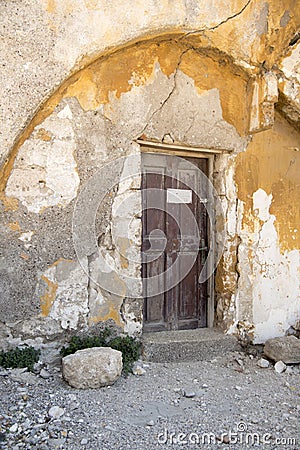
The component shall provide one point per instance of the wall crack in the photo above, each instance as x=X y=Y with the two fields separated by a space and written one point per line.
x=169 y=95
x=202 y=30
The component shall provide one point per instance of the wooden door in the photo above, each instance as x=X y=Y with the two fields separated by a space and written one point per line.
x=174 y=244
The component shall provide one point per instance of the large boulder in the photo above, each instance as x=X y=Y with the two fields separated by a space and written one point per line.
x=286 y=349
x=92 y=367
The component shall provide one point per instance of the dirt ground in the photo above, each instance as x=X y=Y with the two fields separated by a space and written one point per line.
x=227 y=403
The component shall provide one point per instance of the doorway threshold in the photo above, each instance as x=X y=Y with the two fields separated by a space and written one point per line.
x=201 y=344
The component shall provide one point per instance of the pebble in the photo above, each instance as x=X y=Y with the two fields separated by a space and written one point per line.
x=189 y=394
x=138 y=369
x=280 y=367
x=83 y=441
x=45 y=374
x=14 y=428
x=55 y=412
x=263 y=363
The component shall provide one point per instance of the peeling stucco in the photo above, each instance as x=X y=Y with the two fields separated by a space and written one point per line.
x=65 y=299
x=267 y=176
x=272 y=163
x=45 y=171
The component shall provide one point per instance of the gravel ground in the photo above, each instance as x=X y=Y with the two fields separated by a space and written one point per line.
x=173 y=405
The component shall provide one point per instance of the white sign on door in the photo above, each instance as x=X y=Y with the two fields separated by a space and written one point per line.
x=179 y=196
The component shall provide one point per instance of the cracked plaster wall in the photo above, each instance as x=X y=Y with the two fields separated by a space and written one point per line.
x=178 y=86
x=44 y=42
x=97 y=130
x=257 y=280
x=267 y=177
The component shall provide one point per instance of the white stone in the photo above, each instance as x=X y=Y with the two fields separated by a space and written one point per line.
x=14 y=428
x=26 y=237
x=263 y=363
x=280 y=367
x=45 y=374
x=55 y=412
x=92 y=367
x=138 y=369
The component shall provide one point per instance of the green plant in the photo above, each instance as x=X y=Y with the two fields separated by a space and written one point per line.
x=19 y=358
x=81 y=342
x=129 y=346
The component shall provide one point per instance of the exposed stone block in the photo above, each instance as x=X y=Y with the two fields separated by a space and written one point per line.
x=92 y=367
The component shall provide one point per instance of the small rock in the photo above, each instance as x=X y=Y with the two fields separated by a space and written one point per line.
x=150 y=423
x=45 y=374
x=280 y=367
x=138 y=369
x=205 y=386
x=55 y=412
x=285 y=348
x=14 y=428
x=263 y=363
x=83 y=441
x=238 y=388
x=37 y=366
x=177 y=390
x=189 y=394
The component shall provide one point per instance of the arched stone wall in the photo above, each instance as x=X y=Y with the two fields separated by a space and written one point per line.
x=45 y=42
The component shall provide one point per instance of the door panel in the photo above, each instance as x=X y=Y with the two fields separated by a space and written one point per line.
x=174 y=228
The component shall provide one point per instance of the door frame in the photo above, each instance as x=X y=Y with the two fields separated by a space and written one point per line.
x=195 y=152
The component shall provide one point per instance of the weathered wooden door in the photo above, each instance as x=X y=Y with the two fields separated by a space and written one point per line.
x=174 y=244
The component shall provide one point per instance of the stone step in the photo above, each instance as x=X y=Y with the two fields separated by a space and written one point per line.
x=187 y=345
